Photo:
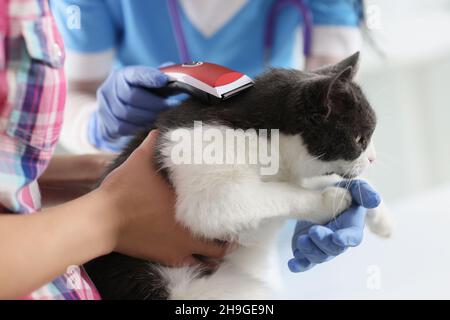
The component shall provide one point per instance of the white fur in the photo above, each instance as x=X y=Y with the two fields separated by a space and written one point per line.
x=235 y=202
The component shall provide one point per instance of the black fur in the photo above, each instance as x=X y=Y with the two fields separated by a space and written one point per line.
x=118 y=276
x=325 y=107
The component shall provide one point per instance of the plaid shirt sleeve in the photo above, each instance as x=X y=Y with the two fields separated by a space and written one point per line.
x=32 y=97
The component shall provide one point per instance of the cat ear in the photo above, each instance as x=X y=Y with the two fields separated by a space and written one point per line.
x=352 y=61
x=343 y=76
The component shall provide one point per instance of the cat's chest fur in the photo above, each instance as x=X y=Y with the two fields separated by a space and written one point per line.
x=205 y=172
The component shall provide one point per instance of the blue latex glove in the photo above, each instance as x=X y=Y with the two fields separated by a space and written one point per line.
x=313 y=244
x=126 y=105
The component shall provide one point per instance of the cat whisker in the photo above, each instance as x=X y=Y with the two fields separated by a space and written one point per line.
x=347 y=184
x=360 y=194
x=315 y=158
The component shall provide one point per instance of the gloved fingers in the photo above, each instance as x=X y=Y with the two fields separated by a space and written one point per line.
x=309 y=250
x=126 y=128
x=107 y=121
x=118 y=144
x=180 y=97
x=348 y=237
x=144 y=77
x=120 y=118
x=122 y=111
x=352 y=217
x=362 y=193
x=137 y=116
x=143 y=98
x=322 y=237
x=115 y=128
x=101 y=137
x=300 y=265
x=302 y=226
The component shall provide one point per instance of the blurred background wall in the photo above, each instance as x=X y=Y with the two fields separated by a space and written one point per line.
x=409 y=88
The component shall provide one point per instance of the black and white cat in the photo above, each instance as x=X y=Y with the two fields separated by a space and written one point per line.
x=325 y=128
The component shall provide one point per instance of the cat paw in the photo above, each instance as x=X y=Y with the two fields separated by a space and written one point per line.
x=334 y=201
x=380 y=222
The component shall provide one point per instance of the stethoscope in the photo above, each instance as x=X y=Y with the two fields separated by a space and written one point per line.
x=300 y=5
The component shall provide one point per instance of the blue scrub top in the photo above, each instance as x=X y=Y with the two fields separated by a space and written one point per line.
x=141 y=33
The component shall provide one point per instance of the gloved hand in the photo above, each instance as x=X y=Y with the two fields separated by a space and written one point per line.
x=126 y=105
x=313 y=244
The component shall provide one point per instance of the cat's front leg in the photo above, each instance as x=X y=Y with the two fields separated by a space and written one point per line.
x=320 y=182
x=317 y=206
x=323 y=205
x=227 y=210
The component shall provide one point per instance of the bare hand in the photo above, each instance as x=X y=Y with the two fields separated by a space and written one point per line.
x=142 y=206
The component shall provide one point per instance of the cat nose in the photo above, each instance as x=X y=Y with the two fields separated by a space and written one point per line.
x=371 y=159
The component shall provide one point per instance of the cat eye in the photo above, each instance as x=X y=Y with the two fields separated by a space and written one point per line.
x=359 y=140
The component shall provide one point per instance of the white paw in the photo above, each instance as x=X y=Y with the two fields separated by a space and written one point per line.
x=380 y=222
x=336 y=199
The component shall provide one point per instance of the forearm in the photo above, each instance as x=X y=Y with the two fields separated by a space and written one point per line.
x=336 y=31
x=85 y=73
x=34 y=249
x=71 y=176
x=332 y=44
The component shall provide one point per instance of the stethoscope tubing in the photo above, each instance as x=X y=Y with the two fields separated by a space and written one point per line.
x=180 y=39
x=307 y=24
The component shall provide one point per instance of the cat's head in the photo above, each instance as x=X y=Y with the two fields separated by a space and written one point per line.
x=334 y=119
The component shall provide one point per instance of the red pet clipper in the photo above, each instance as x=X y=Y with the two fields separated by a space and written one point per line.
x=206 y=81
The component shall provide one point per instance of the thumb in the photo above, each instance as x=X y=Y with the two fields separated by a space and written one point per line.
x=145 y=77
x=211 y=249
x=148 y=145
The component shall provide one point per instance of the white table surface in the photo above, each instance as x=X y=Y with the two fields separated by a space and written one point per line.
x=413 y=264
